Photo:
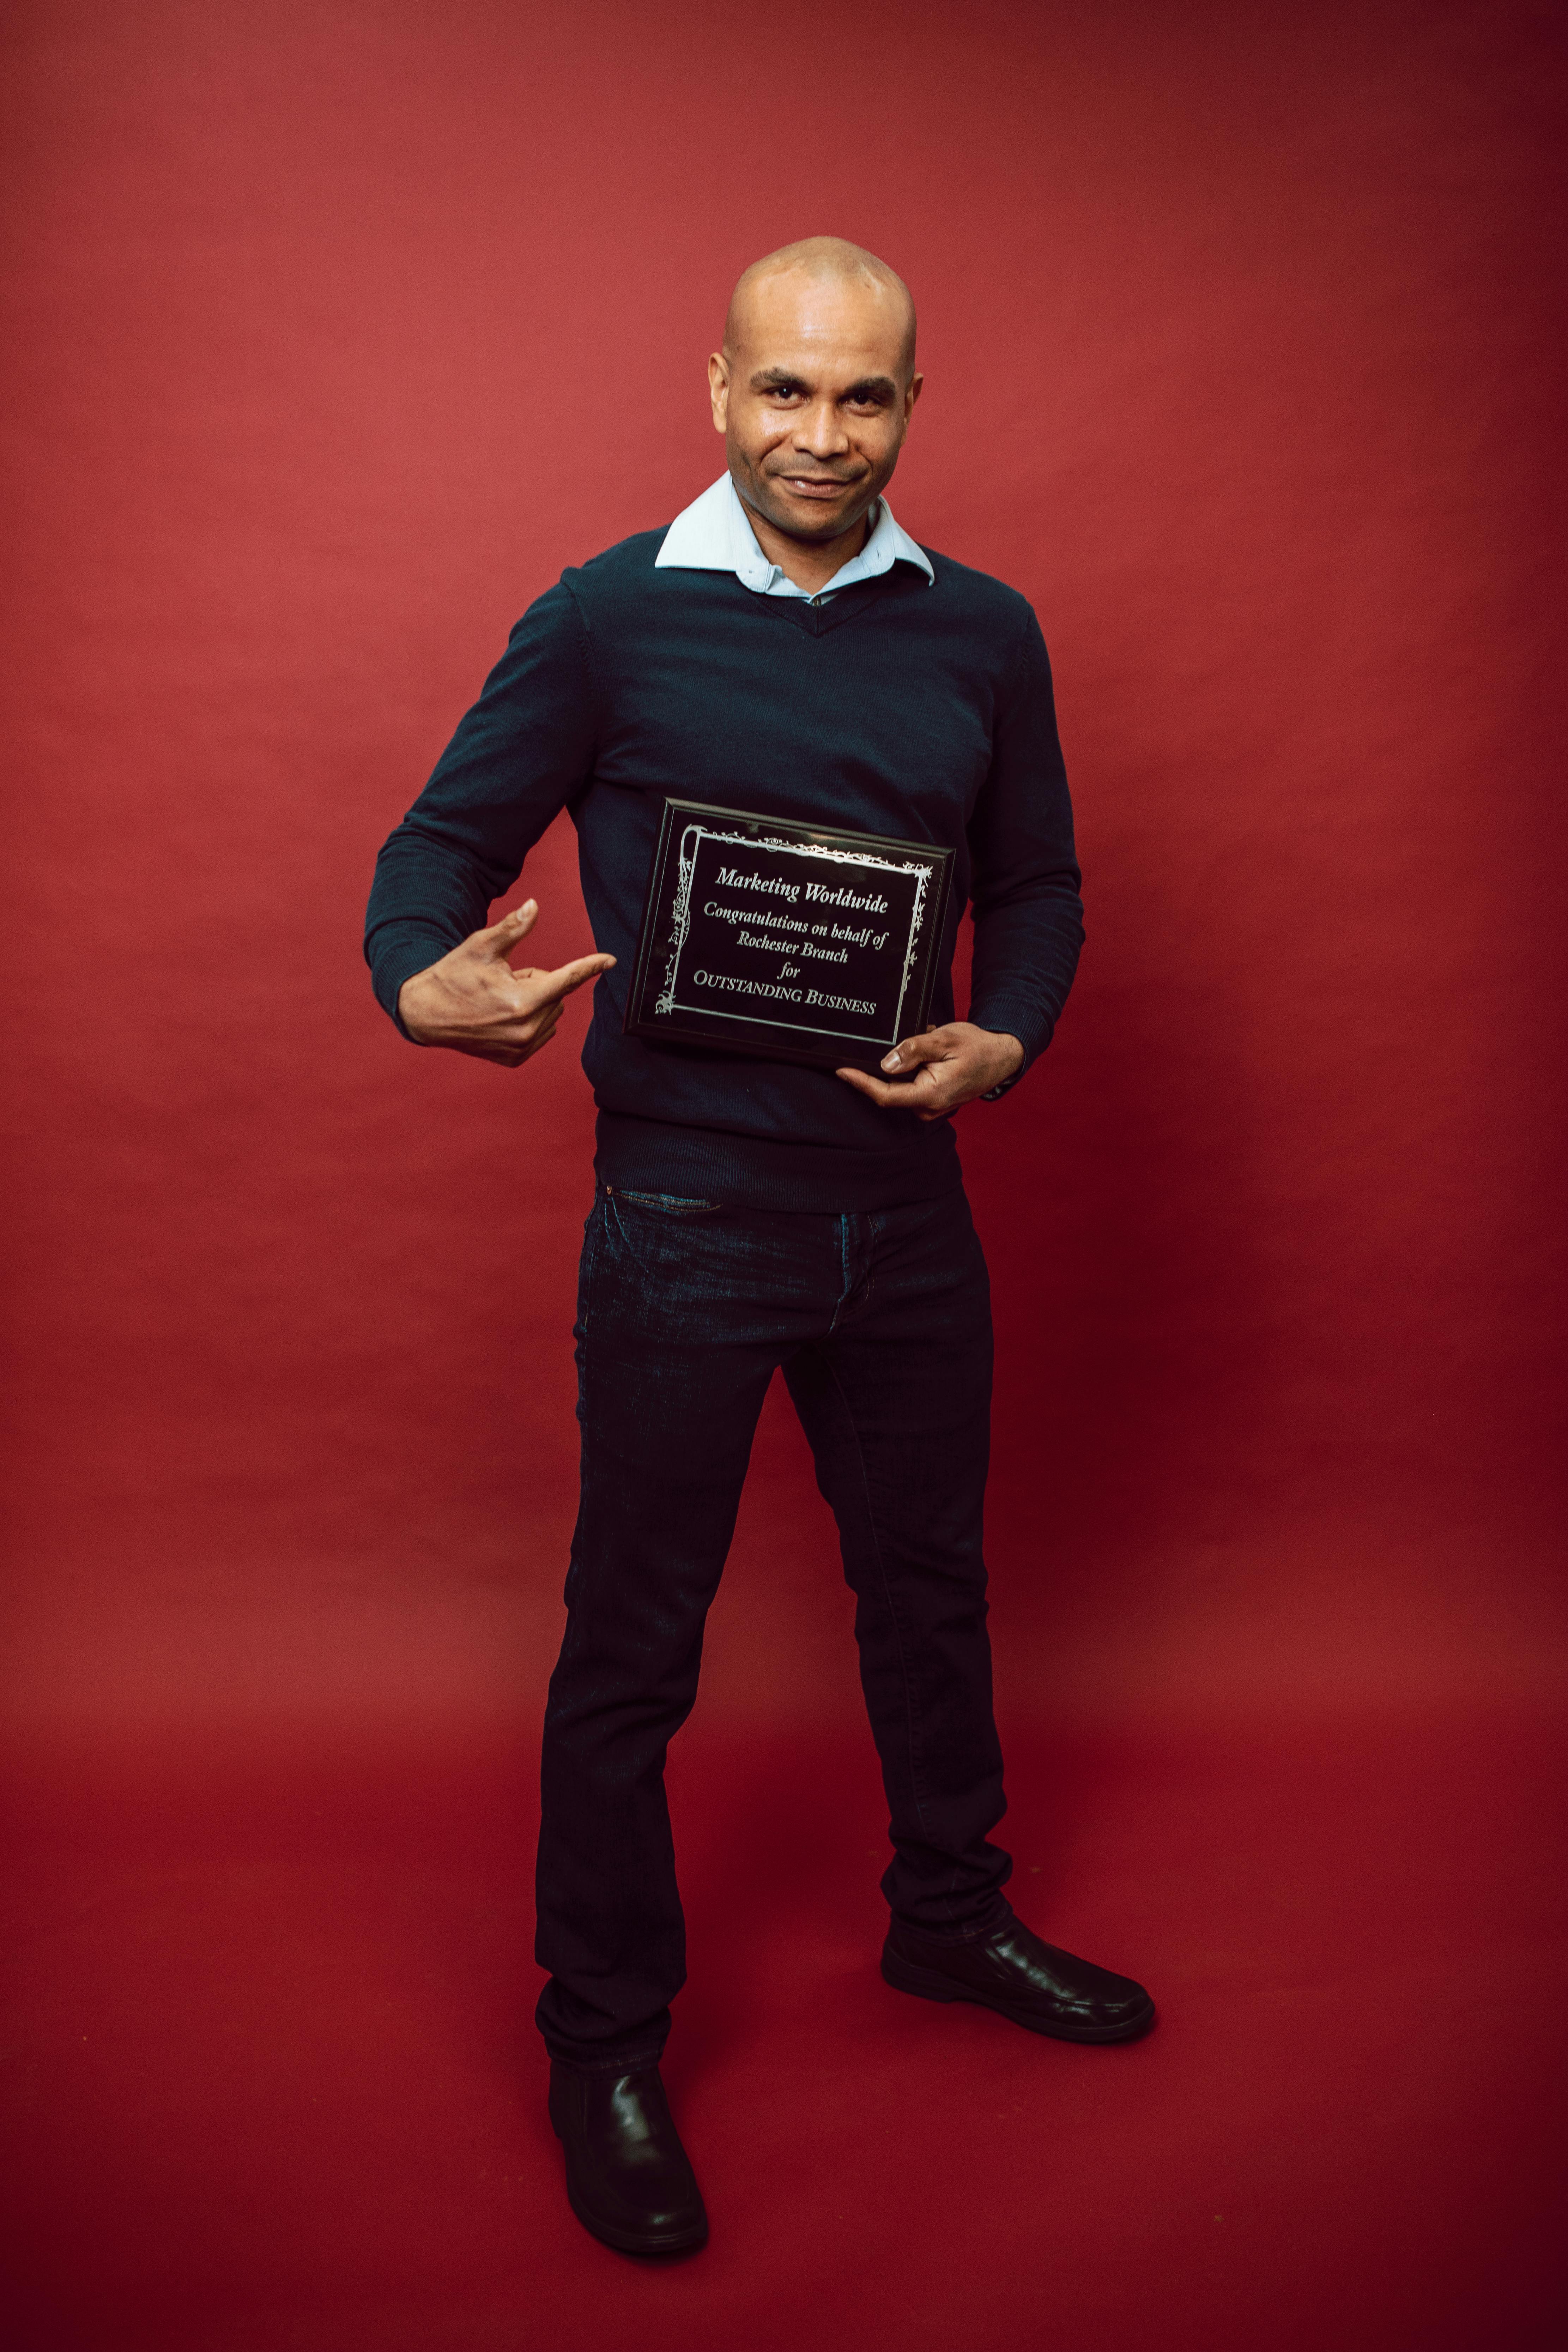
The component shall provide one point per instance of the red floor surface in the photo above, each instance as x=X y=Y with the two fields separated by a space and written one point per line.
x=272 y=2084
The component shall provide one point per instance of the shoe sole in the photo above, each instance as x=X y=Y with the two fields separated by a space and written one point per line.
x=926 y=1984
x=626 y=2241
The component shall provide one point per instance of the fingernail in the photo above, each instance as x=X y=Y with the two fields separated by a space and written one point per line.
x=890 y=1061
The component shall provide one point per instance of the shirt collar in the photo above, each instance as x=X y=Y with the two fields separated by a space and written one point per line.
x=714 y=534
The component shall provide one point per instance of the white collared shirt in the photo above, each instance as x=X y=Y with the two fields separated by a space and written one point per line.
x=714 y=534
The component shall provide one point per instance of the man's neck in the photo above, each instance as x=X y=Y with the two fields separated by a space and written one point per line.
x=810 y=564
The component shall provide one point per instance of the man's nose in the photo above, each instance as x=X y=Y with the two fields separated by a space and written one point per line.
x=819 y=432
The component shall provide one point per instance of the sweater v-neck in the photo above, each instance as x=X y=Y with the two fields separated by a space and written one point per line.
x=815 y=620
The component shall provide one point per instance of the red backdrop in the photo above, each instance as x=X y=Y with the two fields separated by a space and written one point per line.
x=336 y=331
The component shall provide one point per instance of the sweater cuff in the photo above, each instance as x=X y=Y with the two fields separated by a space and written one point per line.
x=402 y=949
x=1012 y=1017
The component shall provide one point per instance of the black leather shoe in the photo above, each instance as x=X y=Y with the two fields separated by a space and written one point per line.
x=1034 y=1984
x=628 y=2179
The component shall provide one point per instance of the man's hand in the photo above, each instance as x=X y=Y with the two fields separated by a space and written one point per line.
x=946 y=1068
x=475 y=1002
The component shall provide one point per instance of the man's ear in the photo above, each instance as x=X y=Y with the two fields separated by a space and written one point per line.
x=719 y=390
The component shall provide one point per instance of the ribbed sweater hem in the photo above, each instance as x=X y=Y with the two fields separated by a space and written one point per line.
x=749 y=1172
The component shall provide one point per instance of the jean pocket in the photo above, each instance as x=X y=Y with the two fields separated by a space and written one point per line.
x=669 y=1204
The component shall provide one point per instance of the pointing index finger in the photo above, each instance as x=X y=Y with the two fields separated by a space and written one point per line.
x=548 y=987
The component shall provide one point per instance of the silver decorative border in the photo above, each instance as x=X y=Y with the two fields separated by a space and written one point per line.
x=680 y=922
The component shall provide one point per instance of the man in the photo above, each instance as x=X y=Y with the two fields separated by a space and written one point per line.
x=783 y=648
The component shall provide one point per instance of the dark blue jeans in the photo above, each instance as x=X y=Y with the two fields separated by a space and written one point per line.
x=881 y=1323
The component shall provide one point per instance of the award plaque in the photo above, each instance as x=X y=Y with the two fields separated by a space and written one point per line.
x=800 y=942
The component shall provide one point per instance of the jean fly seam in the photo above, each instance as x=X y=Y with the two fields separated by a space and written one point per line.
x=854 y=1298
x=843 y=1273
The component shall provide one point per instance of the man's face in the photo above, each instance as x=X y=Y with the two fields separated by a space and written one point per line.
x=814 y=395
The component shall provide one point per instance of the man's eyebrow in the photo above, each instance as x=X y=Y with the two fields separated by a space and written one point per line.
x=869 y=387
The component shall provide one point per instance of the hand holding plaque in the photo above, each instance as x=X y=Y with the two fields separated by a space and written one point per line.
x=937 y=1073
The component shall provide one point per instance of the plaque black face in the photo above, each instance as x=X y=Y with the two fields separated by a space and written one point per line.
x=802 y=942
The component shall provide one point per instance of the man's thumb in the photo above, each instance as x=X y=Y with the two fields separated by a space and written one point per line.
x=911 y=1051
x=502 y=937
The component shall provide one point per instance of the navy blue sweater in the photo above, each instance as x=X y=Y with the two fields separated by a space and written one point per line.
x=897 y=708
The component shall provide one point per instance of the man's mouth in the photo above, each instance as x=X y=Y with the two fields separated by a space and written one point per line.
x=813 y=485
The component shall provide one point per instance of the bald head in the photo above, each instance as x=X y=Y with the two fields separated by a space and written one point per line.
x=833 y=266
x=814 y=390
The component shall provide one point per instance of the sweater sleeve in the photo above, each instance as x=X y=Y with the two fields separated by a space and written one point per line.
x=1028 y=917
x=518 y=757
